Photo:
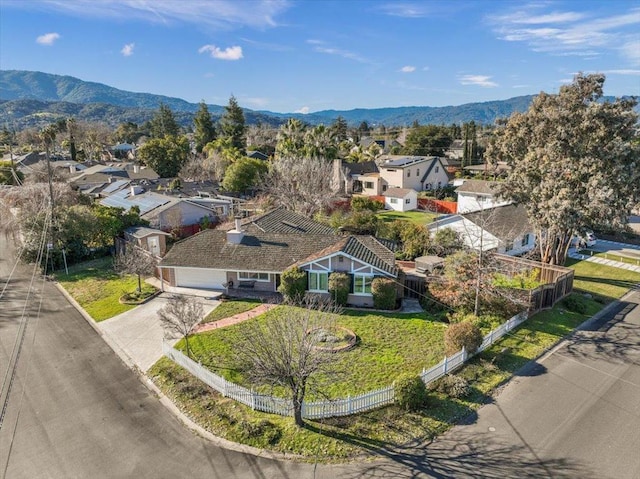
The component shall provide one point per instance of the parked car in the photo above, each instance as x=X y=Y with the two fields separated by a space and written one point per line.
x=587 y=240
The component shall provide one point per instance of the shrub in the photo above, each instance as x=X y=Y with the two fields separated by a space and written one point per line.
x=293 y=284
x=384 y=293
x=459 y=335
x=575 y=304
x=410 y=392
x=339 y=284
x=360 y=203
x=451 y=385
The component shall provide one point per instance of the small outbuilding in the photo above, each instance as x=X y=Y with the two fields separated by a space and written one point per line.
x=400 y=199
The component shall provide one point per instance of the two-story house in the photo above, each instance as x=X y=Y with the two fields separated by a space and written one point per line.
x=417 y=173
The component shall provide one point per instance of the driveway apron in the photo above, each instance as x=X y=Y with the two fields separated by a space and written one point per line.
x=139 y=333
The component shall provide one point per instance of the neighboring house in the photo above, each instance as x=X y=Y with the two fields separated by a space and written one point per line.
x=257 y=155
x=98 y=175
x=478 y=195
x=256 y=251
x=500 y=169
x=149 y=239
x=162 y=211
x=400 y=199
x=504 y=229
x=361 y=178
x=413 y=172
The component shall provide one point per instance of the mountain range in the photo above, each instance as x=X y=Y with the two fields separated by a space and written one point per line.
x=35 y=99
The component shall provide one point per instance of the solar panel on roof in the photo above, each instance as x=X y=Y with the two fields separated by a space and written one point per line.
x=115 y=186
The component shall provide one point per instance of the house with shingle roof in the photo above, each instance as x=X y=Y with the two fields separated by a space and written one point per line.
x=505 y=229
x=255 y=252
x=478 y=195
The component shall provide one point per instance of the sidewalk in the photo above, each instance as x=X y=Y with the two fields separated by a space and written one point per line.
x=607 y=262
x=235 y=319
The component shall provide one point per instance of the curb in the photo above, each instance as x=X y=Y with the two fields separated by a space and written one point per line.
x=165 y=400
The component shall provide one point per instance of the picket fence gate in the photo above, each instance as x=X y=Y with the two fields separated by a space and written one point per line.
x=331 y=408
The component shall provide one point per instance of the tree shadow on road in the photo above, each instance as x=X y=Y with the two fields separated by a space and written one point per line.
x=478 y=456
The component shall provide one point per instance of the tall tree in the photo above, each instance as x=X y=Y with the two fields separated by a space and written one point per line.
x=428 y=140
x=72 y=126
x=304 y=185
x=204 y=130
x=575 y=162
x=340 y=128
x=165 y=155
x=232 y=125
x=164 y=123
x=290 y=139
x=243 y=174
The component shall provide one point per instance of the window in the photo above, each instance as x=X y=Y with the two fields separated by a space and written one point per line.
x=509 y=245
x=391 y=171
x=407 y=201
x=418 y=172
x=408 y=173
x=437 y=169
x=384 y=187
x=368 y=184
x=525 y=239
x=252 y=276
x=318 y=281
x=362 y=284
x=393 y=201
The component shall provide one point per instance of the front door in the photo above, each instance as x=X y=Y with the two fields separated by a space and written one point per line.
x=154 y=245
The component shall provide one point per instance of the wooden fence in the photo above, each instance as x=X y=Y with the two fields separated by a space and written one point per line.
x=339 y=407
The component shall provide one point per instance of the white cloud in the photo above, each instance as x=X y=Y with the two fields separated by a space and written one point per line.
x=478 y=80
x=631 y=51
x=255 y=101
x=229 y=53
x=406 y=10
x=341 y=53
x=304 y=110
x=127 y=50
x=218 y=14
x=408 y=69
x=569 y=33
x=48 y=38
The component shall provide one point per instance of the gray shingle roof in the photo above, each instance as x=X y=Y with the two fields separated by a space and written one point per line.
x=479 y=187
x=256 y=252
x=283 y=221
x=397 y=192
x=504 y=222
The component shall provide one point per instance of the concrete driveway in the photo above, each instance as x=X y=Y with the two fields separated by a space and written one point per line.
x=138 y=333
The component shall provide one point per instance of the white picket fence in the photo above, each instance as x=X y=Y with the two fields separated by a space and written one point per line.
x=339 y=407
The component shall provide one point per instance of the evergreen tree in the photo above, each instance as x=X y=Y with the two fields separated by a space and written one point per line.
x=205 y=131
x=164 y=123
x=232 y=125
x=339 y=128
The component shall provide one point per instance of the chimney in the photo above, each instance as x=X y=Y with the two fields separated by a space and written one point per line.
x=136 y=168
x=235 y=235
x=72 y=169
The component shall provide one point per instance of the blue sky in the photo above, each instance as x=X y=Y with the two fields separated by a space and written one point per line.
x=286 y=55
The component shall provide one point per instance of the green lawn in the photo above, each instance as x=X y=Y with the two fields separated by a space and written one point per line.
x=418 y=217
x=231 y=308
x=336 y=439
x=607 y=281
x=388 y=344
x=98 y=288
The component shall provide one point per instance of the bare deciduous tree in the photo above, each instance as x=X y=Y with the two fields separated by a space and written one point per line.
x=303 y=185
x=179 y=316
x=283 y=352
x=134 y=260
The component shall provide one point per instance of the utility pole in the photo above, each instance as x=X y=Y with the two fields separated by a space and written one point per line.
x=48 y=135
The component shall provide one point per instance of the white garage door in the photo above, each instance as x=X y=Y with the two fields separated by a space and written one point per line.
x=200 y=278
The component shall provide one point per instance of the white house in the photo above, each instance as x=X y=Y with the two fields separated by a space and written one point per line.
x=504 y=229
x=400 y=199
x=413 y=172
x=478 y=195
